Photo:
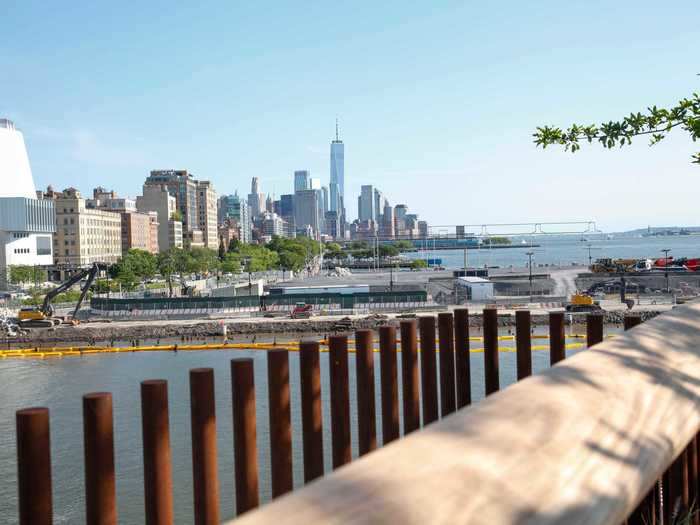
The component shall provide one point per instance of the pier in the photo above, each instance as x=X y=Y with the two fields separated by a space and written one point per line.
x=606 y=436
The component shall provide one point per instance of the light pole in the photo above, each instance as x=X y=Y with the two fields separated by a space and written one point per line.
x=668 y=287
x=529 y=265
x=590 y=257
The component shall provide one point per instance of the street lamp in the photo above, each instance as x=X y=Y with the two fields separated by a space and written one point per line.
x=668 y=287
x=530 y=254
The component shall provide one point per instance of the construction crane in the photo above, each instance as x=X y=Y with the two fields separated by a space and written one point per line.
x=43 y=316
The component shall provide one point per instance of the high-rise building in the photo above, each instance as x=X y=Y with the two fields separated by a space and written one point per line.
x=337 y=181
x=273 y=225
x=306 y=211
x=378 y=205
x=315 y=184
x=287 y=206
x=332 y=224
x=326 y=197
x=302 y=180
x=387 y=226
x=256 y=200
x=366 y=203
x=196 y=202
x=207 y=214
x=183 y=187
x=26 y=223
x=84 y=235
x=422 y=229
x=400 y=212
x=157 y=199
x=237 y=209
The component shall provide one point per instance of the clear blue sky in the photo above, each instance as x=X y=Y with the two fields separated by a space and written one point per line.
x=437 y=100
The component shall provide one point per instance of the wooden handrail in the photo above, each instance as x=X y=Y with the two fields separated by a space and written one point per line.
x=582 y=442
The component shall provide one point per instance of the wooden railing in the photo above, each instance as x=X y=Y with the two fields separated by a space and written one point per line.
x=583 y=442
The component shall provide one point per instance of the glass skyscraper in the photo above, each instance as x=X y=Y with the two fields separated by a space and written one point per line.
x=337 y=185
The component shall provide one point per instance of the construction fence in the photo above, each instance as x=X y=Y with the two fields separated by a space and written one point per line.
x=153 y=306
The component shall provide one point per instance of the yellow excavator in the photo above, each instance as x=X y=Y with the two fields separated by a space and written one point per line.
x=43 y=316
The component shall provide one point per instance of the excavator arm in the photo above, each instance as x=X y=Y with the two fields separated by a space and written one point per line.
x=90 y=273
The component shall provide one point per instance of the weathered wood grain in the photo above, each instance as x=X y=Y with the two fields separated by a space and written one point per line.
x=580 y=443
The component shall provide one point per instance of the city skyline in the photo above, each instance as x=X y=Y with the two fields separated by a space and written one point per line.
x=453 y=110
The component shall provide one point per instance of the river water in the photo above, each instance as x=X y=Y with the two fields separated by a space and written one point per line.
x=60 y=383
x=565 y=251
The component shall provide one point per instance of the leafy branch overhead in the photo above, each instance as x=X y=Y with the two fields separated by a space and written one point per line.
x=656 y=122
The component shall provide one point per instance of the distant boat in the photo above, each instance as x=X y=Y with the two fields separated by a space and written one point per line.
x=609 y=236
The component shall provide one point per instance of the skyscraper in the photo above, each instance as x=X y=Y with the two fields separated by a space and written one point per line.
x=378 y=205
x=337 y=184
x=365 y=210
x=237 y=209
x=301 y=180
x=306 y=210
x=256 y=200
x=326 y=201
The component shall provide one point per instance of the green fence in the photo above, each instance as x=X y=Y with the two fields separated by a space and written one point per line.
x=255 y=302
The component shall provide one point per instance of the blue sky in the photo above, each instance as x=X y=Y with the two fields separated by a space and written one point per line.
x=437 y=100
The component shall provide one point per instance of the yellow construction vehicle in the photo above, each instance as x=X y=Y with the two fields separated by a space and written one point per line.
x=582 y=303
x=43 y=316
x=613 y=265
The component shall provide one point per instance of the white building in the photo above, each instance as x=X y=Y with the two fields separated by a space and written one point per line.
x=473 y=289
x=26 y=223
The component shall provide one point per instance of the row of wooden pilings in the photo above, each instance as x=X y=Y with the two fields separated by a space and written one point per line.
x=437 y=388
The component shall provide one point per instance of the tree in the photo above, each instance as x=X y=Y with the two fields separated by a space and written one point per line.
x=134 y=266
x=26 y=274
x=233 y=245
x=203 y=260
x=222 y=249
x=418 y=264
x=656 y=122
x=404 y=246
x=387 y=250
x=176 y=216
x=231 y=263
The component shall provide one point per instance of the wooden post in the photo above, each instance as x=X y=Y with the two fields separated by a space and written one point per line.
x=34 y=466
x=311 y=414
x=389 y=384
x=409 y=375
x=693 y=473
x=631 y=320
x=490 y=322
x=645 y=513
x=157 y=477
x=98 y=438
x=523 y=343
x=557 y=338
x=594 y=329
x=366 y=411
x=280 y=422
x=340 y=400
x=447 y=363
x=428 y=368
x=245 y=448
x=204 y=460
x=462 y=361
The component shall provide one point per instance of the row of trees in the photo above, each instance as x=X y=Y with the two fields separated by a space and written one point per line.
x=138 y=266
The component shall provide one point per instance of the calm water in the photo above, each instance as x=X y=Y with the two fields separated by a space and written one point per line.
x=559 y=251
x=60 y=383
